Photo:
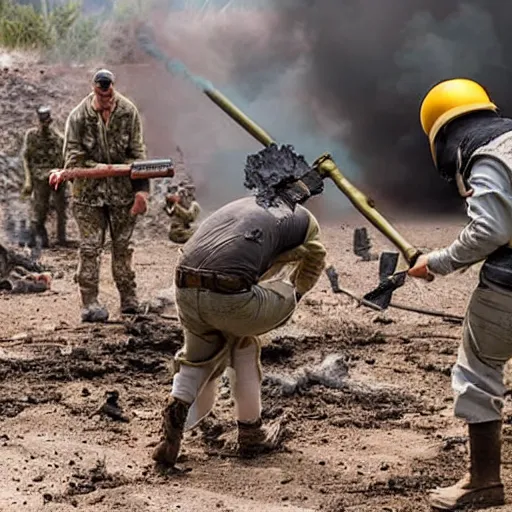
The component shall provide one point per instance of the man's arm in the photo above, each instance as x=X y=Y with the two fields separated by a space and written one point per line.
x=73 y=151
x=312 y=255
x=490 y=213
x=60 y=139
x=137 y=150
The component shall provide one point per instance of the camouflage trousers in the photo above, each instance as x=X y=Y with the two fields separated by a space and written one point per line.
x=93 y=222
x=41 y=193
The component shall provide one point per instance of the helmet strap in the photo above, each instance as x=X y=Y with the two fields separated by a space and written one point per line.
x=459 y=178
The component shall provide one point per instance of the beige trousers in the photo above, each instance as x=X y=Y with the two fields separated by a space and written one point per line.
x=477 y=377
x=215 y=325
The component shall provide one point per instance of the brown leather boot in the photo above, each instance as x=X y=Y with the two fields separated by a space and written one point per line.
x=254 y=438
x=482 y=487
x=174 y=418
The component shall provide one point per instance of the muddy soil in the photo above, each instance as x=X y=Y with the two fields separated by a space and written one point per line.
x=365 y=397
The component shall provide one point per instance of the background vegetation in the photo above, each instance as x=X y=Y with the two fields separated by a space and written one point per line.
x=64 y=30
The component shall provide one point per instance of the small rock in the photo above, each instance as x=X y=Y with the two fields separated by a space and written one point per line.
x=383 y=319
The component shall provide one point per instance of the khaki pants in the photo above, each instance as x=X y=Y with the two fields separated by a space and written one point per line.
x=214 y=327
x=477 y=377
x=218 y=326
x=214 y=322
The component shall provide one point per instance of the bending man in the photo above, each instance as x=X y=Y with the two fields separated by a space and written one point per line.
x=240 y=275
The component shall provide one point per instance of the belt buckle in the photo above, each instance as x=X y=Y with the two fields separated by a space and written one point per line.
x=195 y=281
x=230 y=284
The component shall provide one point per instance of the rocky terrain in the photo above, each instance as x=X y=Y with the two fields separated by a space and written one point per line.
x=365 y=396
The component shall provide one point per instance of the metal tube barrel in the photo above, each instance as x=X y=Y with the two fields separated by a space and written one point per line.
x=239 y=117
x=326 y=167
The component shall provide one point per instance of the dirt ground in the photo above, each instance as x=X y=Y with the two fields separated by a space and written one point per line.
x=370 y=429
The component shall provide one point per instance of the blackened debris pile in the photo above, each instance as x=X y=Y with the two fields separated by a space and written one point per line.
x=269 y=171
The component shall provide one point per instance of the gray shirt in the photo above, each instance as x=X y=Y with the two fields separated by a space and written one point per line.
x=244 y=239
x=490 y=211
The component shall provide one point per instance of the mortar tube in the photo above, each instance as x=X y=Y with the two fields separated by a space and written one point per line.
x=327 y=168
x=239 y=117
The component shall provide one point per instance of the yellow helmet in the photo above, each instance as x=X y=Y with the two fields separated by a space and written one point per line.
x=448 y=100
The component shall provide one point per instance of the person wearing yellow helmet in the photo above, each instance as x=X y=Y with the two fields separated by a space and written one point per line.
x=471 y=145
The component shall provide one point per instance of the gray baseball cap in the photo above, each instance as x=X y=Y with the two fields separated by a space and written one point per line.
x=104 y=78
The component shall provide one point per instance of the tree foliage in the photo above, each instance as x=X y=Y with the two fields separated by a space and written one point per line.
x=60 y=33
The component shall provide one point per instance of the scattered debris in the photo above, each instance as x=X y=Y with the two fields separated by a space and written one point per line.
x=19 y=274
x=85 y=482
x=331 y=373
x=111 y=408
x=362 y=245
x=451 y=442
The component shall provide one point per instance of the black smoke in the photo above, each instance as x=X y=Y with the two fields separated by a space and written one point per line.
x=369 y=63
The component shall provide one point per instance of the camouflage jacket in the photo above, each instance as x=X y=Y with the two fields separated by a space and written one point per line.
x=88 y=141
x=183 y=217
x=42 y=151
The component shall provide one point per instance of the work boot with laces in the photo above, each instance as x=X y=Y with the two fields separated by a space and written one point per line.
x=174 y=418
x=254 y=438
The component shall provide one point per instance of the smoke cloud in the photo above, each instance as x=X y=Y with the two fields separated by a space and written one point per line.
x=343 y=77
x=366 y=65
x=211 y=44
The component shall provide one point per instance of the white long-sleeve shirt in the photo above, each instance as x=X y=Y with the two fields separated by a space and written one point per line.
x=490 y=211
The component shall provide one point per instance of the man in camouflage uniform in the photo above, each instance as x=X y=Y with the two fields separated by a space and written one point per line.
x=42 y=151
x=183 y=210
x=105 y=128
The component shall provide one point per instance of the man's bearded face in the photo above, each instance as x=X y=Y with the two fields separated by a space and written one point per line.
x=104 y=98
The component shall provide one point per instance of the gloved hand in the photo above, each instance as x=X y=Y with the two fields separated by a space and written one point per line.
x=27 y=189
x=140 y=204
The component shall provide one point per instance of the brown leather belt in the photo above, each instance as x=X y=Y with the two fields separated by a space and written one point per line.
x=212 y=281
